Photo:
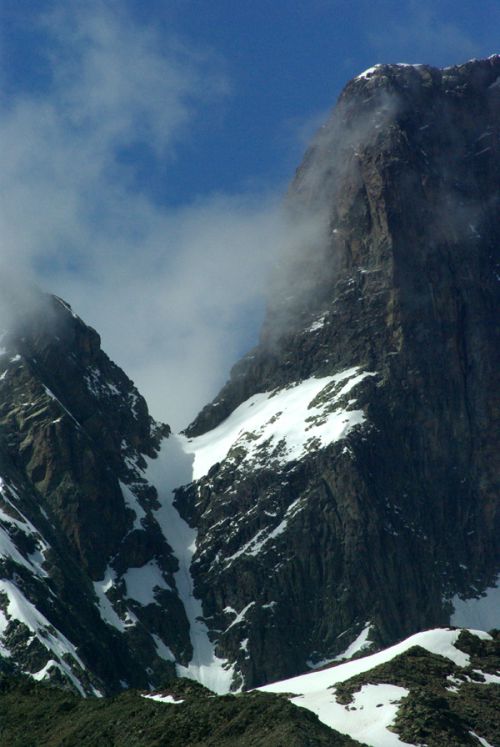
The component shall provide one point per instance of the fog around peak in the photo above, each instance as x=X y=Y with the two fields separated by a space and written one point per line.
x=177 y=289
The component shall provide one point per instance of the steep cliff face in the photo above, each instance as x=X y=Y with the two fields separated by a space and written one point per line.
x=87 y=593
x=345 y=474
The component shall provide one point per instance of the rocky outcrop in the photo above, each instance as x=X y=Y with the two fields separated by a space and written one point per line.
x=385 y=522
x=77 y=513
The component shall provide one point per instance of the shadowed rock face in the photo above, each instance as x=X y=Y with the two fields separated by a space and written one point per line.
x=75 y=458
x=402 y=513
x=76 y=510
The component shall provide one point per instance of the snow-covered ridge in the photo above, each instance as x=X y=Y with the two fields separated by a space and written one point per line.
x=375 y=68
x=282 y=425
x=374 y=707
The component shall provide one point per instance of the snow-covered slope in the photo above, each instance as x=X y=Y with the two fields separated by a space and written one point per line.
x=173 y=466
x=281 y=426
x=370 y=716
x=86 y=574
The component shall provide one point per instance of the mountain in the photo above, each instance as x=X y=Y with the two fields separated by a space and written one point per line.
x=74 y=440
x=347 y=474
x=339 y=494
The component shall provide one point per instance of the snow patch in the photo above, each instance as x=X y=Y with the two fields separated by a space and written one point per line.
x=52 y=396
x=482 y=741
x=368 y=72
x=489 y=679
x=4 y=651
x=263 y=536
x=366 y=719
x=132 y=502
x=142 y=582
x=239 y=616
x=281 y=425
x=358 y=645
x=106 y=609
x=482 y=613
x=164 y=699
x=318 y=323
x=163 y=651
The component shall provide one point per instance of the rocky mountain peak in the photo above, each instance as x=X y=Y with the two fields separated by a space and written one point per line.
x=76 y=510
x=387 y=311
x=402 y=182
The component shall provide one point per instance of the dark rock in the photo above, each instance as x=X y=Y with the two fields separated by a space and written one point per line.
x=403 y=513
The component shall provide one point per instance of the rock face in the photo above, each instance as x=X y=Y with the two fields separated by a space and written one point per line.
x=380 y=505
x=76 y=513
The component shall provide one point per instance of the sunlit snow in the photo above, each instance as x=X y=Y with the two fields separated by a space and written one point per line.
x=282 y=425
x=286 y=422
x=366 y=719
x=368 y=72
x=164 y=699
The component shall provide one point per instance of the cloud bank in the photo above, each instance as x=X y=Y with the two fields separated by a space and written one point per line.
x=174 y=292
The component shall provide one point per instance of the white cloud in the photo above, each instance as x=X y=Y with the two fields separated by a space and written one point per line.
x=173 y=313
x=167 y=288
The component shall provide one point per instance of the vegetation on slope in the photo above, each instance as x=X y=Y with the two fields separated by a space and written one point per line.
x=38 y=715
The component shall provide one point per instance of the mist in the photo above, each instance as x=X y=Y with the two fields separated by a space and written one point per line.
x=176 y=293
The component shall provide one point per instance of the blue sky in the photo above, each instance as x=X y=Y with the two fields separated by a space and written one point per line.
x=146 y=147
